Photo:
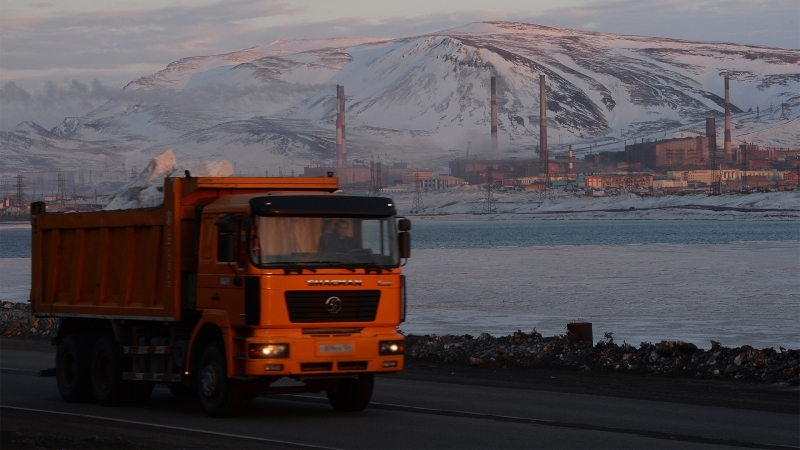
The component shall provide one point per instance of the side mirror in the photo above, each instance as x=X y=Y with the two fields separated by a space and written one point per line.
x=404 y=242
x=226 y=224
x=404 y=225
x=247 y=224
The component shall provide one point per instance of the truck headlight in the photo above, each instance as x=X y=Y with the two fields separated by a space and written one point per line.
x=391 y=348
x=262 y=351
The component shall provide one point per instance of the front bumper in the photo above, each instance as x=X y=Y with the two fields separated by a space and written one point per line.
x=324 y=354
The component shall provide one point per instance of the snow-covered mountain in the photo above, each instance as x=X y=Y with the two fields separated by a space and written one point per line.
x=423 y=98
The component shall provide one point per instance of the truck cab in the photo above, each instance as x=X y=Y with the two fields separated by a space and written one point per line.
x=308 y=286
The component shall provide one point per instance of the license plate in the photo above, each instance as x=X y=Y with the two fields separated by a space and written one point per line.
x=336 y=348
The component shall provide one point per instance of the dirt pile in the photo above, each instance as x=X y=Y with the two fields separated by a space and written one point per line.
x=16 y=320
x=669 y=358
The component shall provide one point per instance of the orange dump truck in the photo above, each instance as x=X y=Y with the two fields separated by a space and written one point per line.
x=231 y=285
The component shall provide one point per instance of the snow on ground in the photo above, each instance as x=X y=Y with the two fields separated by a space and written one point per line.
x=470 y=200
x=737 y=294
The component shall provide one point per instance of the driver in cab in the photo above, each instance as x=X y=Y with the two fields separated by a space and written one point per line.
x=338 y=241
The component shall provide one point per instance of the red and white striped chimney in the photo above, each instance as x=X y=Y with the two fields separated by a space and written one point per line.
x=494 y=116
x=544 y=159
x=341 y=141
x=728 y=149
x=570 y=159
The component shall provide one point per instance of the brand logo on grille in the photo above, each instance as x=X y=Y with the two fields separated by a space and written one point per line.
x=334 y=282
x=333 y=305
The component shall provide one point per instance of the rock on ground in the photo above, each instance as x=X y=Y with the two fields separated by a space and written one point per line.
x=16 y=320
x=669 y=358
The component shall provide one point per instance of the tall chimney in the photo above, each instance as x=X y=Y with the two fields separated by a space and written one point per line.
x=728 y=150
x=570 y=159
x=341 y=141
x=711 y=134
x=494 y=116
x=544 y=160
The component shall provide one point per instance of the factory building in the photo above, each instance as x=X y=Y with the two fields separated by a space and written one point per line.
x=639 y=180
x=669 y=153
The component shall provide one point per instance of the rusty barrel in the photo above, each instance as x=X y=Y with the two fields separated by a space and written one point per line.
x=581 y=331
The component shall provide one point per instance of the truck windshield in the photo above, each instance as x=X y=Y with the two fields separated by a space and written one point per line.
x=320 y=242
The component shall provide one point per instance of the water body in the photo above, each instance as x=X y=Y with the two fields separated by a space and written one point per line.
x=695 y=280
x=15 y=242
x=430 y=234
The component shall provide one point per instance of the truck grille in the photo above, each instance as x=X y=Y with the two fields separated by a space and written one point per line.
x=352 y=365
x=310 y=306
x=316 y=367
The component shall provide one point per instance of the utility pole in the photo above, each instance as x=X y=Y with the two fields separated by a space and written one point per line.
x=417 y=204
x=61 y=193
x=378 y=178
x=372 y=177
x=490 y=203
x=20 y=190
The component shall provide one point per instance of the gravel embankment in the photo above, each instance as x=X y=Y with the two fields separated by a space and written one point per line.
x=668 y=358
x=16 y=320
x=523 y=350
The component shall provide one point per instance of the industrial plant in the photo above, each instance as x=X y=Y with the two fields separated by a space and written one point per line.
x=646 y=166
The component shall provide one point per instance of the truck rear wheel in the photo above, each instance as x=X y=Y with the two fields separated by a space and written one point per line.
x=352 y=394
x=73 y=368
x=107 y=383
x=220 y=396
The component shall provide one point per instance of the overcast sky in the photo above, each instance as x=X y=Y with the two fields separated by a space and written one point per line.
x=63 y=57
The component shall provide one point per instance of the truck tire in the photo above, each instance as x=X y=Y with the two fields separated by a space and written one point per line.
x=73 y=368
x=353 y=394
x=220 y=396
x=107 y=384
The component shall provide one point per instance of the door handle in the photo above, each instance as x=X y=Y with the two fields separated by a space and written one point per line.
x=215 y=297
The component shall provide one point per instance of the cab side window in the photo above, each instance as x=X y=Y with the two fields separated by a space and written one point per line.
x=227 y=239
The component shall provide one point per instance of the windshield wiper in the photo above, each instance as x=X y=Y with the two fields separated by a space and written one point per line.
x=293 y=267
x=337 y=264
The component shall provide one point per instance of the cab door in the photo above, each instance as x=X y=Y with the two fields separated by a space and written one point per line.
x=222 y=266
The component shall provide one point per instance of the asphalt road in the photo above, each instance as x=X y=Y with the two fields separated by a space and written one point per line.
x=404 y=414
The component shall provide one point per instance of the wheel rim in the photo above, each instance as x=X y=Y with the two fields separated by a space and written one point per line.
x=208 y=381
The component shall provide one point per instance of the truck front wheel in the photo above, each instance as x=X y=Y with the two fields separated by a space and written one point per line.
x=107 y=383
x=220 y=396
x=352 y=394
x=73 y=364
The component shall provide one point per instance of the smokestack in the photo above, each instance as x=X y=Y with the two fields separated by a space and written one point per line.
x=570 y=159
x=341 y=141
x=494 y=115
x=728 y=150
x=711 y=134
x=543 y=156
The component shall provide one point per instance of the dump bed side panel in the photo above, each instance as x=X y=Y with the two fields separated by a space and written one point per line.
x=116 y=264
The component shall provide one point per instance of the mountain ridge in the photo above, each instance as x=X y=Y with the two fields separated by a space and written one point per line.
x=423 y=98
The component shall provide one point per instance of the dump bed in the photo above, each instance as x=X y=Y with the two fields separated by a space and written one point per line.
x=132 y=263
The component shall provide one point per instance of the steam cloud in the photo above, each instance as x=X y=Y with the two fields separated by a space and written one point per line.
x=49 y=105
